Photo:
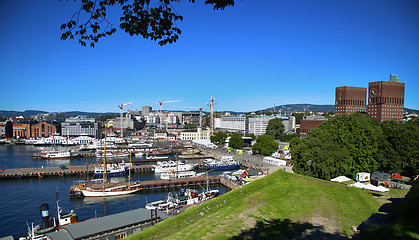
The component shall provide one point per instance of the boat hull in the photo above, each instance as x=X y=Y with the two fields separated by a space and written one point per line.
x=106 y=193
x=111 y=174
x=226 y=167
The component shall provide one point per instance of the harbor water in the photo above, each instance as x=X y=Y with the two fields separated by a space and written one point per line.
x=20 y=199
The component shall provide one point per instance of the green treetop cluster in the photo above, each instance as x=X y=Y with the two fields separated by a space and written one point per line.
x=354 y=143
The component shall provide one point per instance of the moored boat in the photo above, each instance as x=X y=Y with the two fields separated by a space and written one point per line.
x=112 y=191
x=174 y=175
x=225 y=163
x=182 y=199
x=114 y=169
x=56 y=154
x=171 y=166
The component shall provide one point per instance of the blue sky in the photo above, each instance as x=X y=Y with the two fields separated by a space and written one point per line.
x=249 y=57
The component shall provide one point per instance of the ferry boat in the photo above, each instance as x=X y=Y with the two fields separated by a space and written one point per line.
x=56 y=154
x=182 y=199
x=171 y=166
x=225 y=163
x=49 y=224
x=113 y=154
x=174 y=175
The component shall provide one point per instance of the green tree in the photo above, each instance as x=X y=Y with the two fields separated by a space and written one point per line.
x=236 y=141
x=265 y=145
x=155 y=20
x=189 y=126
x=288 y=137
x=253 y=136
x=399 y=151
x=219 y=138
x=299 y=116
x=344 y=145
x=275 y=128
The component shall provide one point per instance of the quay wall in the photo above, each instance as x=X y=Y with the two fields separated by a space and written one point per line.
x=57 y=171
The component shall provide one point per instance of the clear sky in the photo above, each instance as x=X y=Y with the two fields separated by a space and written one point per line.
x=249 y=57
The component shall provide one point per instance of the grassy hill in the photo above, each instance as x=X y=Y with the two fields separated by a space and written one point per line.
x=280 y=205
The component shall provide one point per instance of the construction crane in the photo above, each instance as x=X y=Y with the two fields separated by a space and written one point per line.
x=161 y=103
x=122 y=109
x=211 y=105
x=200 y=114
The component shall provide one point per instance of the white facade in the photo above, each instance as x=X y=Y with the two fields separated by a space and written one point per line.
x=172 y=119
x=255 y=124
x=152 y=118
x=77 y=126
x=234 y=123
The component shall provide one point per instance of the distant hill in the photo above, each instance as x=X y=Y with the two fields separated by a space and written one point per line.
x=311 y=107
x=289 y=108
x=25 y=113
x=77 y=113
x=28 y=113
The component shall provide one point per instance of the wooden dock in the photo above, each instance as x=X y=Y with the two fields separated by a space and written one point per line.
x=151 y=185
x=58 y=171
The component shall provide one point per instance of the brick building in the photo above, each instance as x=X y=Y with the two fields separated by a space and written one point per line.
x=21 y=130
x=386 y=99
x=350 y=99
x=42 y=129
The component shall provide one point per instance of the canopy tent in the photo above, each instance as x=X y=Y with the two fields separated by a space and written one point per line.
x=370 y=187
x=340 y=179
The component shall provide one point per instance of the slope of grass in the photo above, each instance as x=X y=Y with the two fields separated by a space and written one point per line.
x=280 y=204
x=403 y=219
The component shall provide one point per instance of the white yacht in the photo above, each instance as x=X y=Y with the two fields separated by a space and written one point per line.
x=171 y=166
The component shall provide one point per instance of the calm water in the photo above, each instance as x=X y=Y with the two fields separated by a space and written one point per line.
x=20 y=199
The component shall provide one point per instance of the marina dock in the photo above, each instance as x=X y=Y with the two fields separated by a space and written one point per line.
x=59 y=171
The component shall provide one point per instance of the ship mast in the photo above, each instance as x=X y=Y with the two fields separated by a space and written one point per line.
x=104 y=165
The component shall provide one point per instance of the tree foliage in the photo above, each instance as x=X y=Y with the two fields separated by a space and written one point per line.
x=288 y=137
x=236 y=141
x=189 y=126
x=219 y=138
x=265 y=145
x=252 y=135
x=354 y=143
x=342 y=146
x=152 y=19
x=275 y=128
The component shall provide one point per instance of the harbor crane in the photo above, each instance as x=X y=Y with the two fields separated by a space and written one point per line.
x=161 y=103
x=122 y=109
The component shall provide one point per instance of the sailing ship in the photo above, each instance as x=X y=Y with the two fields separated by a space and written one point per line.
x=111 y=191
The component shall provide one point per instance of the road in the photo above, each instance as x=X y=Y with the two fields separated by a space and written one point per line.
x=254 y=160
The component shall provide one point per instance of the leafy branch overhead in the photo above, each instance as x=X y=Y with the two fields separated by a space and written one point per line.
x=154 y=20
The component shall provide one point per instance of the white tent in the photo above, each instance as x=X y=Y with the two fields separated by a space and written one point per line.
x=370 y=187
x=340 y=179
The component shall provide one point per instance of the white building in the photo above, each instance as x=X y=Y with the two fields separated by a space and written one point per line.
x=237 y=124
x=77 y=126
x=258 y=124
x=255 y=124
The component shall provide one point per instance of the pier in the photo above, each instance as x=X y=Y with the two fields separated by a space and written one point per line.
x=151 y=185
x=60 y=171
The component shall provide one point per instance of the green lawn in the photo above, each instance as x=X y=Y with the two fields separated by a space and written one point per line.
x=280 y=205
